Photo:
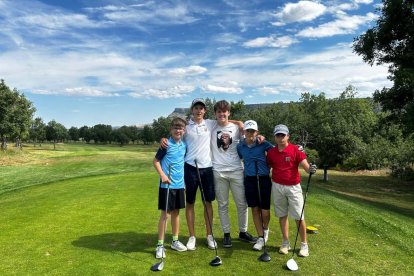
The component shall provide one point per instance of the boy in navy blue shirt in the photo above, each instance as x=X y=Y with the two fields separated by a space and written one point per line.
x=254 y=158
x=169 y=164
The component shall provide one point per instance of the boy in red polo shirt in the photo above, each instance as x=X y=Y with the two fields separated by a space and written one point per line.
x=284 y=159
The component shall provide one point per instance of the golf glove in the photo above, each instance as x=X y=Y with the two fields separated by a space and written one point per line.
x=312 y=169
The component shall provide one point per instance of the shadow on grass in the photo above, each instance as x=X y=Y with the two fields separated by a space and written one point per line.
x=126 y=242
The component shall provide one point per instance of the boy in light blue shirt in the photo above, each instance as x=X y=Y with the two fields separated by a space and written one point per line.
x=169 y=163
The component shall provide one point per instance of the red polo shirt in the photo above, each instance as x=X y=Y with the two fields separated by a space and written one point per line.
x=285 y=164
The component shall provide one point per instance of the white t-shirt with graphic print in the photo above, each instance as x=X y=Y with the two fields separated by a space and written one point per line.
x=224 y=140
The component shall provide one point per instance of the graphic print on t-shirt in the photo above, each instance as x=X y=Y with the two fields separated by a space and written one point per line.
x=224 y=139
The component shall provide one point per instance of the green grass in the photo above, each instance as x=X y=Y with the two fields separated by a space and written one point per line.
x=92 y=210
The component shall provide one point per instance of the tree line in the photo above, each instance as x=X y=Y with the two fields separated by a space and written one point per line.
x=345 y=132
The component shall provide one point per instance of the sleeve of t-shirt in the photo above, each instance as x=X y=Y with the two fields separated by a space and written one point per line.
x=211 y=124
x=267 y=145
x=239 y=150
x=161 y=152
x=300 y=155
x=268 y=158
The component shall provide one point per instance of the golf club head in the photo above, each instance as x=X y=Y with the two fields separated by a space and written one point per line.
x=158 y=266
x=292 y=265
x=264 y=257
x=216 y=261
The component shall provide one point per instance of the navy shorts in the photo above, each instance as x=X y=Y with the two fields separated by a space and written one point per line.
x=192 y=183
x=251 y=191
x=175 y=199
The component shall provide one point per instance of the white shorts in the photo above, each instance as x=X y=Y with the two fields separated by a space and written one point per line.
x=287 y=199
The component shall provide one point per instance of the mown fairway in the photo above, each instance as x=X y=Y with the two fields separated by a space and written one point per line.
x=92 y=210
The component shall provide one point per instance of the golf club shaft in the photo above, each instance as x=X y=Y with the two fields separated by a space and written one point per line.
x=205 y=205
x=301 y=214
x=166 y=211
x=260 y=204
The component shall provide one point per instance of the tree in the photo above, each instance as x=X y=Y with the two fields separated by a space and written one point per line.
x=102 y=133
x=391 y=42
x=161 y=128
x=338 y=127
x=85 y=134
x=37 y=132
x=133 y=133
x=55 y=132
x=16 y=113
x=147 y=135
x=73 y=133
x=121 y=135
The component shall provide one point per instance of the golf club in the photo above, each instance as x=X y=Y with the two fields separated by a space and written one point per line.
x=216 y=261
x=159 y=266
x=291 y=264
x=265 y=256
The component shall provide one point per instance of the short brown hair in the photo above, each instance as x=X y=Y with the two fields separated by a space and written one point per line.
x=178 y=122
x=222 y=105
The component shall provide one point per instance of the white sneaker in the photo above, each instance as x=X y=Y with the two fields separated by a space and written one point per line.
x=160 y=252
x=211 y=243
x=284 y=248
x=304 y=250
x=259 y=244
x=191 y=244
x=178 y=246
x=266 y=234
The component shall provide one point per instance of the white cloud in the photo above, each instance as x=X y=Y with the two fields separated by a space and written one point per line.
x=241 y=60
x=306 y=84
x=161 y=13
x=223 y=89
x=76 y=91
x=178 y=91
x=57 y=21
x=227 y=38
x=271 y=41
x=191 y=70
x=299 y=12
x=343 y=25
x=363 y=1
x=268 y=90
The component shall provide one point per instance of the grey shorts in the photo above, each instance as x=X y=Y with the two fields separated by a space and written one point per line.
x=287 y=199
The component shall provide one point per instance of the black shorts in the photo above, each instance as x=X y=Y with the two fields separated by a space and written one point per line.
x=175 y=199
x=191 y=183
x=251 y=191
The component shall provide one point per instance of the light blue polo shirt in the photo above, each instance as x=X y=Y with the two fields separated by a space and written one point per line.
x=252 y=153
x=174 y=156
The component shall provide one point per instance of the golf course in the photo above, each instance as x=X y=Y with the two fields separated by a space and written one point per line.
x=86 y=209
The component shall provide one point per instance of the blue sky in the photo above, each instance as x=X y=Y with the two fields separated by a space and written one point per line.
x=86 y=62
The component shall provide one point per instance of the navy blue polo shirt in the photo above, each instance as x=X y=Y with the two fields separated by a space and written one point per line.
x=252 y=153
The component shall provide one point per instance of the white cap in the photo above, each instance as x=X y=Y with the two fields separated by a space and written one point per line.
x=250 y=124
x=198 y=101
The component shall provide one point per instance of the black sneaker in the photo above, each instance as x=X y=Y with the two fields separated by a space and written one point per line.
x=245 y=236
x=227 y=240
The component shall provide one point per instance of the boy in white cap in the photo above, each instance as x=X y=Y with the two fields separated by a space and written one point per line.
x=256 y=169
x=284 y=159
